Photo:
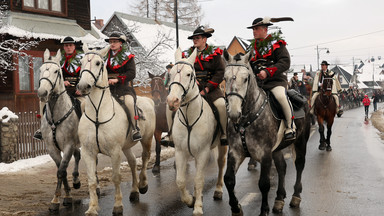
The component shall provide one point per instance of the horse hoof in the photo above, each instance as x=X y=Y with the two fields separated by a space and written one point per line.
x=295 y=202
x=67 y=201
x=240 y=213
x=76 y=185
x=87 y=213
x=54 y=207
x=144 y=189
x=329 y=148
x=98 y=193
x=117 y=211
x=156 y=169
x=218 y=195
x=321 y=147
x=192 y=204
x=278 y=206
x=134 y=197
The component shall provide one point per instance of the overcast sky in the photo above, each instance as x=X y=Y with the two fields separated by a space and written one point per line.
x=348 y=28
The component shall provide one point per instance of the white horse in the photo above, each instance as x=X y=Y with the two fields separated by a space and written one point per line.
x=59 y=126
x=104 y=129
x=193 y=132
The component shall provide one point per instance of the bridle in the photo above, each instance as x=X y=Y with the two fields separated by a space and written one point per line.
x=96 y=79
x=192 y=78
x=103 y=88
x=58 y=77
x=185 y=121
x=156 y=88
x=54 y=97
x=234 y=76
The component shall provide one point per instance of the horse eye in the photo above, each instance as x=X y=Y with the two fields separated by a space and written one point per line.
x=246 y=80
x=56 y=71
x=97 y=63
x=188 y=74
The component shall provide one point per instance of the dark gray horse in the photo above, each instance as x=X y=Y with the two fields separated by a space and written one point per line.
x=253 y=132
x=59 y=126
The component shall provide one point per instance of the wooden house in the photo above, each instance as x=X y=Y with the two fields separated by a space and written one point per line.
x=46 y=22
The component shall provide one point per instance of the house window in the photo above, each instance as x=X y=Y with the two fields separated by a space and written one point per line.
x=45 y=6
x=29 y=73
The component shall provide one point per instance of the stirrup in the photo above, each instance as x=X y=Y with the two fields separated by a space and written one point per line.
x=167 y=141
x=136 y=136
x=290 y=135
x=38 y=135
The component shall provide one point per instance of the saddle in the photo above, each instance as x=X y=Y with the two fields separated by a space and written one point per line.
x=298 y=102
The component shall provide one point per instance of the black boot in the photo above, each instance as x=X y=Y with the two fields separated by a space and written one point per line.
x=136 y=135
x=290 y=135
x=38 y=135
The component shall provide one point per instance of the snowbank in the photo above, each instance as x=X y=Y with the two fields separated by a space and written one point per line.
x=6 y=115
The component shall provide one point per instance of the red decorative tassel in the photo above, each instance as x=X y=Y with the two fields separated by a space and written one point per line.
x=136 y=117
x=293 y=117
x=38 y=116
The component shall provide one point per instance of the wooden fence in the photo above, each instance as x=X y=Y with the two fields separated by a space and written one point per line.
x=27 y=147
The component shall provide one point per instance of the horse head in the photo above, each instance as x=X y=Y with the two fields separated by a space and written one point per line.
x=327 y=85
x=158 y=90
x=182 y=86
x=51 y=78
x=92 y=70
x=237 y=76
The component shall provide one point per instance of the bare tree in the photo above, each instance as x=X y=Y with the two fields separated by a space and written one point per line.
x=189 y=11
x=10 y=46
x=146 y=58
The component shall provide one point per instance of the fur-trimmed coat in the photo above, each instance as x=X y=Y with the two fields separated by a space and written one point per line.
x=336 y=87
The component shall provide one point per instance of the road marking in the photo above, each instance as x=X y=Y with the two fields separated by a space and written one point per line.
x=247 y=199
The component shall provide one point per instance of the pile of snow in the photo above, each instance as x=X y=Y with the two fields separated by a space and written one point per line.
x=24 y=164
x=6 y=115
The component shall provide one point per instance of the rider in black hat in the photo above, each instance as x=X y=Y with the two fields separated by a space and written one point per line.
x=270 y=63
x=318 y=81
x=209 y=68
x=70 y=66
x=121 y=69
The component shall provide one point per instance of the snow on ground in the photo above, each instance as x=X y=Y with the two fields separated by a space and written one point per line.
x=24 y=164
x=6 y=115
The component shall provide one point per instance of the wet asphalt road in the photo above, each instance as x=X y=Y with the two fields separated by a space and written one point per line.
x=347 y=181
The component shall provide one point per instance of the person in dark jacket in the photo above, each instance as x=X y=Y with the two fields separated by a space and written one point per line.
x=374 y=101
x=270 y=49
x=121 y=69
x=209 y=68
x=70 y=66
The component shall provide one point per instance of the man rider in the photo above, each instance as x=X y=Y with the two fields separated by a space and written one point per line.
x=70 y=66
x=271 y=75
x=318 y=82
x=209 y=67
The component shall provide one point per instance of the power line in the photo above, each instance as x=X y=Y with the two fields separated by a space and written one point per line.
x=338 y=40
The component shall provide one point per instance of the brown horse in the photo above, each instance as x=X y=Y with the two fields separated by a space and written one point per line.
x=325 y=110
x=159 y=96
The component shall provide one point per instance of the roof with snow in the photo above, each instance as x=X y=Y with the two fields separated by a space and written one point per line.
x=46 y=27
x=146 y=32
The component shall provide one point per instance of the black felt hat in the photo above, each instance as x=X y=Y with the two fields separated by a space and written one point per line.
x=169 y=66
x=201 y=30
x=68 y=40
x=266 y=21
x=117 y=36
x=324 y=63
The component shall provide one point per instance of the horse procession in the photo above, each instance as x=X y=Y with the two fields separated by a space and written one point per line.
x=256 y=116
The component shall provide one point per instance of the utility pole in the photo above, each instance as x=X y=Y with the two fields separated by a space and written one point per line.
x=177 y=25
x=318 y=55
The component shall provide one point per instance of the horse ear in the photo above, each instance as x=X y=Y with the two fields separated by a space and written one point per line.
x=178 y=55
x=85 y=48
x=226 y=54
x=46 y=54
x=104 y=51
x=58 y=56
x=248 y=56
x=192 y=58
x=162 y=75
x=150 y=75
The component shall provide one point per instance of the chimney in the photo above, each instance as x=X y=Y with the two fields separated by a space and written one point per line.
x=99 y=23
